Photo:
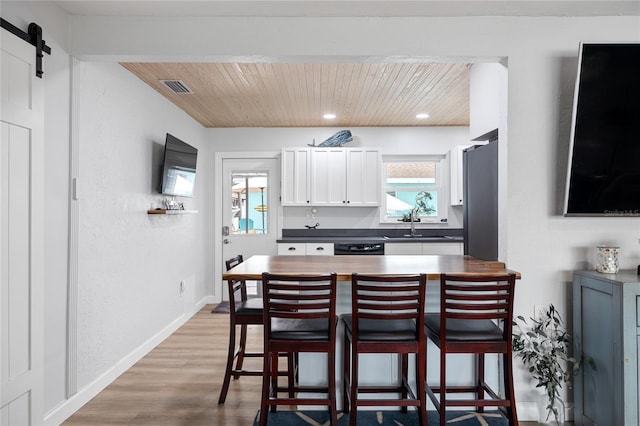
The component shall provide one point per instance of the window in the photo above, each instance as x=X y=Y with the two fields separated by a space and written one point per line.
x=412 y=184
x=249 y=203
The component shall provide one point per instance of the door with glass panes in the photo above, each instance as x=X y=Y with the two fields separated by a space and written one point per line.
x=250 y=193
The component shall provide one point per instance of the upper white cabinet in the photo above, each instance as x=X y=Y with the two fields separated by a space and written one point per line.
x=328 y=176
x=364 y=171
x=331 y=176
x=295 y=177
x=456 y=175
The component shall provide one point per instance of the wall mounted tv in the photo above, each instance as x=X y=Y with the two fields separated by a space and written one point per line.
x=603 y=177
x=179 y=168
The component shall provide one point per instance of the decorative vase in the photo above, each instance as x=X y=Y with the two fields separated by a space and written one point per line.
x=607 y=260
x=550 y=415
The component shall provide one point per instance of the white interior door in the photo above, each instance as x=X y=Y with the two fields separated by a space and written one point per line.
x=21 y=234
x=250 y=193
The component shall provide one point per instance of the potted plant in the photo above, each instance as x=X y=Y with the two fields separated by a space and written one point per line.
x=544 y=346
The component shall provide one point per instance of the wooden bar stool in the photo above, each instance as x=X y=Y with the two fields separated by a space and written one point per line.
x=299 y=316
x=387 y=316
x=476 y=316
x=243 y=311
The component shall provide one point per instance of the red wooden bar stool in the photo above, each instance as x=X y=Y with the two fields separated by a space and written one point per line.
x=387 y=316
x=476 y=316
x=243 y=311
x=299 y=316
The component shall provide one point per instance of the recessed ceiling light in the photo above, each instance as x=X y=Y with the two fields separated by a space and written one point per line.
x=329 y=116
x=422 y=115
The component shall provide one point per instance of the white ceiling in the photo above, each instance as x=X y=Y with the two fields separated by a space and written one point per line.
x=296 y=95
x=319 y=8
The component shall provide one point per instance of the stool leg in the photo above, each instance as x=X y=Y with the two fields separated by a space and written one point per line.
x=421 y=367
x=230 y=357
x=241 y=349
x=333 y=412
x=480 y=379
x=346 y=373
x=353 y=417
x=291 y=373
x=443 y=387
x=266 y=382
x=274 y=379
x=509 y=388
x=404 y=374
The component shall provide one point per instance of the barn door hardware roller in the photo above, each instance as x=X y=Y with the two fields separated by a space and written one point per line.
x=34 y=37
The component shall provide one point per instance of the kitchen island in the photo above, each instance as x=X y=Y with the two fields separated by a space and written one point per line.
x=344 y=266
x=378 y=368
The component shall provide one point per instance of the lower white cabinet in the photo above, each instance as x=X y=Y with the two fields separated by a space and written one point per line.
x=442 y=248
x=308 y=249
x=423 y=248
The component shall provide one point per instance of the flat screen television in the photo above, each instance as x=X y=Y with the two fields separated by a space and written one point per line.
x=178 y=168
x=603 y=177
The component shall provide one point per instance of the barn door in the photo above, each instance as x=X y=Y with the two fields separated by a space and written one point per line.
x=21 y=234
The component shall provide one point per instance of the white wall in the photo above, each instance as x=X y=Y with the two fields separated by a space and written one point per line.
x=542 y=245
x=434 y=141
x=131 y=263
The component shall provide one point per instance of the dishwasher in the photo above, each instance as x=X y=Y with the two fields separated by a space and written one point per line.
x=352 y=249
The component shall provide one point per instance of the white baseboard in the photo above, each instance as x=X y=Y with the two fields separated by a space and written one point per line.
x=528 y=411
x=84 y=395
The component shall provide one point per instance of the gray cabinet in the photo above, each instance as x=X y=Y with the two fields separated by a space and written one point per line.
x=606 y=323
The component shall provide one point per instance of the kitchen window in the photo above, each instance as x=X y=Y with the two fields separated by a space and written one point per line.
x=411 y=183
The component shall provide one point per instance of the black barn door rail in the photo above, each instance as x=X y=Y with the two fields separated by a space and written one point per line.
x=34 y=37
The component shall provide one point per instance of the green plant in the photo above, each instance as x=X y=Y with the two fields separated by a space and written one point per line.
x=544 y=348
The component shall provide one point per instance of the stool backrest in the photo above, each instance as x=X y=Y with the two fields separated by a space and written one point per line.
x=236 y=286
x=303 y=297
x=399 y=297
x=478 y=298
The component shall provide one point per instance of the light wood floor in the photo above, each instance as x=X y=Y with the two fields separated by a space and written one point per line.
x=178 y=383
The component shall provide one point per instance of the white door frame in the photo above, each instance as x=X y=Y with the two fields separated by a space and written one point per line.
x=218 y=206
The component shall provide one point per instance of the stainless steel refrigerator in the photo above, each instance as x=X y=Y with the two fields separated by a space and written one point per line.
x=480 y=176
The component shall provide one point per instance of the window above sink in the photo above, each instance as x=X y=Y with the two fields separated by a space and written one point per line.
x=413 y=183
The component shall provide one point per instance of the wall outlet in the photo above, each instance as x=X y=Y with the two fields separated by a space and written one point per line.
x=539 y=311
x=182 y=287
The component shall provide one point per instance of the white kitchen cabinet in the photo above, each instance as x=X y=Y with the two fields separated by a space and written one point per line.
x=296 y=176
x=403 y=248
x=364 y=171
x=331 y=177
x=423 y=248
x=309 y=249
x=456 y=175
x=442 y=248
x=328 y=177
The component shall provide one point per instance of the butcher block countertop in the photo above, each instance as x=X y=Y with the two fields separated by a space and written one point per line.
x=344 y=266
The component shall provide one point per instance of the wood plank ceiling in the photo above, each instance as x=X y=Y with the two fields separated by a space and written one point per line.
x=299 y=94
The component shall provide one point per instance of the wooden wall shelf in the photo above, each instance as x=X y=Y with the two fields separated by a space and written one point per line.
x=177 y=211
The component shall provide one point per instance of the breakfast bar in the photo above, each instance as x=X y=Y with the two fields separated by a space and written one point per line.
x=380 y=367
x=344 y=266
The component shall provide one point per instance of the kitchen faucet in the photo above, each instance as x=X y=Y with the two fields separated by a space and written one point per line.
x=413 y=222
x=414 y=213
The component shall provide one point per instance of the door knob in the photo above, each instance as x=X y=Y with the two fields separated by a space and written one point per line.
x=226 y=241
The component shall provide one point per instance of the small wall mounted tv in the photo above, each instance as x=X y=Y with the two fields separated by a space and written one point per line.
x=603 y=176
x=179 y=168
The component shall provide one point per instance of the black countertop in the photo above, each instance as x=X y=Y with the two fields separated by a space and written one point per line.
x=370 y=236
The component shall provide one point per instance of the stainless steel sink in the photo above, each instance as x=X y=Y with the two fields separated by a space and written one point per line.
x=416 y=237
